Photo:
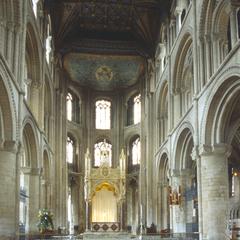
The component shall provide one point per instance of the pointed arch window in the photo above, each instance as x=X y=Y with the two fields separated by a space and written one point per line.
x=48 y=43
x=103 y=114
x=136 y=151
x=70 y=150
x=137 y=109
x=73 y=107
x=69 y=106
x=102 y=153
x=134 y=110
x=34 y=5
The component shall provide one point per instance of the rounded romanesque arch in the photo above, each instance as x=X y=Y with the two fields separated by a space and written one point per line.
x=183 y=82
x=33 y=74
x=29 y=177
x=206 y=17
x=31 y=144
x=221 y=104
x=183 y=140
x=184 y=190
x=184 y=45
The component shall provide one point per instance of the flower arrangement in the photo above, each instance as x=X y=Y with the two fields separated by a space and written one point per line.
x=45 y=220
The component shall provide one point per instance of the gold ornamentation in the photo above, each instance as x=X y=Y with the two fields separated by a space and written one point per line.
x=104 y=73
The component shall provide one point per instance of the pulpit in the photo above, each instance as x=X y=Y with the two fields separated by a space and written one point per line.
x=105 y=192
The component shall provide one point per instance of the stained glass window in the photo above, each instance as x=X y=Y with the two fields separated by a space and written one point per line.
x=103 y=153
x=136 y=151
x=69 y=106
x=103 y=114
x=137 y=109
x=70 y=150
x=34 y=4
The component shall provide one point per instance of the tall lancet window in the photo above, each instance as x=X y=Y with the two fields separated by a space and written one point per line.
x=137 y=109
x=70 y=150
x=102 y=153
x=69 y=106
x=103 y=114
x=136 y=151
x=34 y=5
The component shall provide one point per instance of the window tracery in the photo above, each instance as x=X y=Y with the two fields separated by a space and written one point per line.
x=134 y=110
x=102 y=153
x=103 y=114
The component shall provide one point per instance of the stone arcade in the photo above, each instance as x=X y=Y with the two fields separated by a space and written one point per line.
x=120 y=117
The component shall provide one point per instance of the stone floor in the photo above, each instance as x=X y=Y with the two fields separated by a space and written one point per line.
x=116 y=236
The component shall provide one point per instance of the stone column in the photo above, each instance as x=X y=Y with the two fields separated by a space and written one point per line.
x=17 y=30
x=2 y=36
x=178 y=19
x=208 y=57
x=178 y=215
x=8 y=193
x=10 y=26
x=195 y=157
x=164 y=203
x=202 y=62
x=34 y=195
x=88 y=215
x=121 y=211
x=214 y=181
x=216 y=51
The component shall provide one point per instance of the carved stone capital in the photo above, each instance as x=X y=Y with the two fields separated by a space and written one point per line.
x=218 y=149
x=175 y=173
x=9 y=146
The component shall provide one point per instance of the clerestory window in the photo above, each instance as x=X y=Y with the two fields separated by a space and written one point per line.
x=70 y=150
x=69 y=106
x=137 y=109
x=134 y=110
x=103 y=114
x=136 y=151
x=73 y=107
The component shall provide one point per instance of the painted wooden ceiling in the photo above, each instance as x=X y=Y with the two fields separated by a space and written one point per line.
x=111 y=31
x=104 y=72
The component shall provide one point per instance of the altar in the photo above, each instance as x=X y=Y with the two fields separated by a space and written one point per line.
x=104 y=191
